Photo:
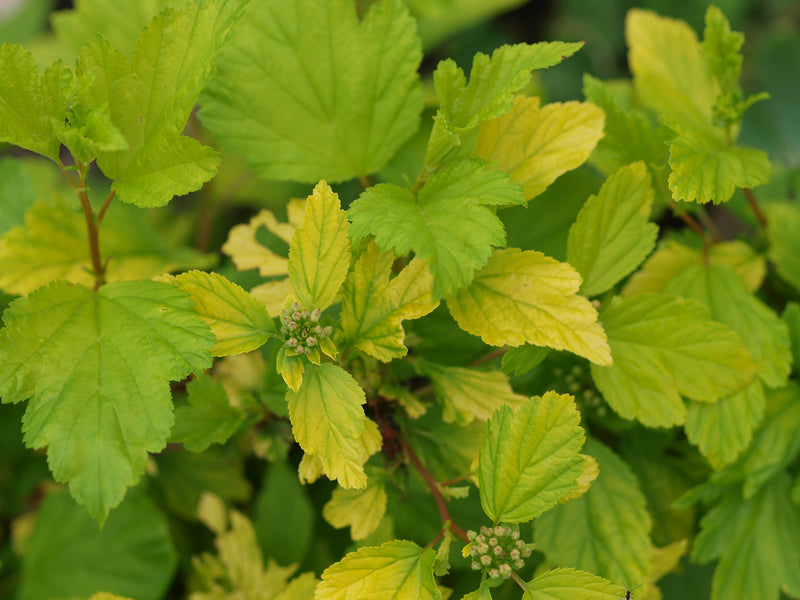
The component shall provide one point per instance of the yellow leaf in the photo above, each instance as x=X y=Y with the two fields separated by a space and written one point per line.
x=374 y=307
x=319 y=255
x=247 y=253
x=673 y=258
x=527 y=297
x=361 y=510
x=590 y=472
x=537 y=145
x=273 y=294
x=310 y=468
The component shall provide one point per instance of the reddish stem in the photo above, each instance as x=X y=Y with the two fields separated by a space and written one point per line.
x=755 y=207
x=105 y=206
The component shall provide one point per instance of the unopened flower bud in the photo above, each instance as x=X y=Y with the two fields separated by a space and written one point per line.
x=311 y=340
x=493 y=541
x=494 y=573
x=476 y=566
x=514 y=554
x=498 y=551
x=486 y=560
x=471 y=535
x=505 y=570
x=518 y=564
x=291 y=342
x=500 y=531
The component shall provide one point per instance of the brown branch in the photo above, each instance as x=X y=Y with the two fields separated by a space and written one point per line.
x=105 y=206
x=365 y=182
x=755 y=207
x=488 y=357
x=433 y=486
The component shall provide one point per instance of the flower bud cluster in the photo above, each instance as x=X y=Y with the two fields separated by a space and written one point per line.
x=497 y=550
x=301 y=329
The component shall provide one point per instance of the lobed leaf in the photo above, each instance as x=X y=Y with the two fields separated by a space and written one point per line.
x=665 y=347
x=397 y=570
x=530 y=459
x=209 y=417
x=605 y=531
x=448 y=225
x=237 y=320
x=612 y=234
x=537 y=145
x=526 y=297
x=327 y=421
x=307 y=91
x=319 y=254
x=108 y=403
x=374 y=307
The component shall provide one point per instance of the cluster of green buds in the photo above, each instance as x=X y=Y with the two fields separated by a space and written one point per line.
x=498 y=550
x=301 y=330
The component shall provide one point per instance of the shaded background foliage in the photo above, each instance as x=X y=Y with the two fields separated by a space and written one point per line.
x=287 y=522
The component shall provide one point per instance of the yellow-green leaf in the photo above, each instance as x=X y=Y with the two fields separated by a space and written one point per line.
x=466 y=394
x=397 y=570
x=361 y=509
x=327 y=421
x=374 y=306
x=530 y=459
x=239 y=322
x=319 y=255
x=527 y=297
x=784 y=242
x=571 y=584
x=537 y=145
x=673 y=258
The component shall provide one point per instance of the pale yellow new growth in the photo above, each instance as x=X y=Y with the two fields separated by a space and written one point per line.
x=319 y=255
x=537 y=145
x=248 y=253
x=273 y=294
x=527 y=297
x=361 y=510
x=375 y=306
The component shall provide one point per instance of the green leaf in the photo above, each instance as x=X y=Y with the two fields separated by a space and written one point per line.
x=208 y=419
x=605 y=531
x=570 y=584
x=32 y=109
x=664 y=347
x=374 y=307
x=466 y=394
x=629 y=135
x=757 y=541
x=343 y=94
x=17 y=192
x=397 y=570
x=762 y=331
x=784 y=243
x=96 y=367
x=151 y=97
x=284 y=515
x=527 y=297
x=53 y=245
x=522 y=359
x=672 y=258
x=791 y=316
x=448 y=225
x=669 y=70
x=68 y=556
x=612 y=234
x=327 y=421
x=722 y=429
x=537 y=145
x=319 y=255
x=707 y=169
x=361 y=510
x=239 y=322
x=530 y=458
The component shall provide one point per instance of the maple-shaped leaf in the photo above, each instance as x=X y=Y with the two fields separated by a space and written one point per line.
x=528 y=297
x=53 y=245
x=672 y=258
x=605 y=531
x=664 y=347
x=571 y=584
x=150 y=98
x=96 y=366
x=208 y=418
x=327 y=421
x=612 y=233
x=360 y=509
x=319 y=253
x=307 y=91
x=448 y=224
x=374 y=307
x=536 y=145
x=397 y=570
x=32 y=107
x=530 y=458
x=466 y=394
x=239 y=322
